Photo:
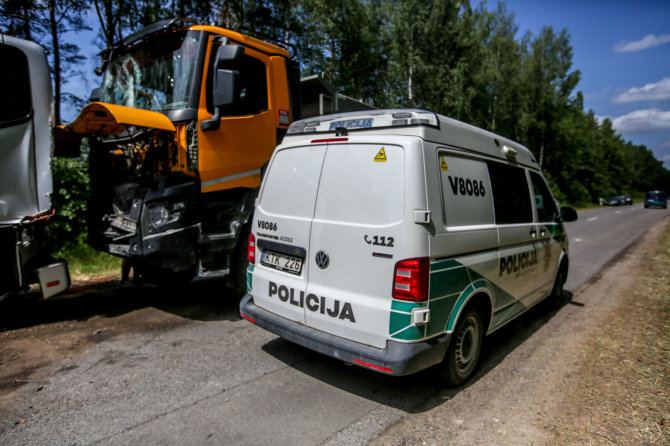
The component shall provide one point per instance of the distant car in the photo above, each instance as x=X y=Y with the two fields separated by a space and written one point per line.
x=627 y=199
x=615 y=201
x=655 y=198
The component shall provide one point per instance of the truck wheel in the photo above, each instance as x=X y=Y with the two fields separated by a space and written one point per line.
x=556 y=296
x=164 y=277
x=237 y=278
x=464 y=349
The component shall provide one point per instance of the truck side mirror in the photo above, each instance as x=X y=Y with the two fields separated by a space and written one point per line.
x=226 y=87
x=225 y=92
x=228 y=53
x=225 y=84
x=568 y=213
x=96 y=94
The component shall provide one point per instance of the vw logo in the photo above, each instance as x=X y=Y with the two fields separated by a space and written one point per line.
x=322 y=259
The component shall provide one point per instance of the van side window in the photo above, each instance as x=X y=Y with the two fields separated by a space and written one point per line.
x=466 y=191
x=511 y=197
x=253 y=94
x=14 y=85
x=544 y=201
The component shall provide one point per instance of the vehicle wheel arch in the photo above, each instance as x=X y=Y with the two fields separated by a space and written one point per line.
x=470 y=326
x=478 y=295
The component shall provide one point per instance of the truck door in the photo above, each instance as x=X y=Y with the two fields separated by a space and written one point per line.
x=356 y=240
x=232 y=152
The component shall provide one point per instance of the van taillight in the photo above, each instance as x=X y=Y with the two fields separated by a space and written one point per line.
x=410 y=279
x=251 y=253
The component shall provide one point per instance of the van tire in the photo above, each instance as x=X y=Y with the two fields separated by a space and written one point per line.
x=463 y=353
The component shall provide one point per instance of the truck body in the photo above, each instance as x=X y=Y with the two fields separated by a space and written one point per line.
x=26 y=146
x=179 y=133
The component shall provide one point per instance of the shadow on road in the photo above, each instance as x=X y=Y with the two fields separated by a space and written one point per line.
x=422 y=391
x=205 y=300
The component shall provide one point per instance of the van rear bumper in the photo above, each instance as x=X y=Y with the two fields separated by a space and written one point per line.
x=398 y=358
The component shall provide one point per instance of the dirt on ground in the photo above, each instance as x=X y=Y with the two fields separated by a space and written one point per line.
x=596 y=373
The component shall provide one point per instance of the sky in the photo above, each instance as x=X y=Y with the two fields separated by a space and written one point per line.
x=622 y=50
x=620 y=47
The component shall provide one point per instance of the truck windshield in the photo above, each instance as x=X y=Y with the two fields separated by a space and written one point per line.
x=156 y=74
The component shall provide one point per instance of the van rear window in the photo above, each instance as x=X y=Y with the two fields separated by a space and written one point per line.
x=292 y=181
x=362 y=183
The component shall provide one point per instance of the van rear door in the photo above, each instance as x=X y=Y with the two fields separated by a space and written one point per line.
x=281 y=226
x=356 y=240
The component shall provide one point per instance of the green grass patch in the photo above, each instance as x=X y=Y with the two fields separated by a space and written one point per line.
x=84 y=261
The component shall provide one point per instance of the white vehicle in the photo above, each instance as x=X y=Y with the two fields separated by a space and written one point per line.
x=26 y=146
x=396 y=239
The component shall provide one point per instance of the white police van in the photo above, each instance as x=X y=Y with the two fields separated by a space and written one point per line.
x=396 y=239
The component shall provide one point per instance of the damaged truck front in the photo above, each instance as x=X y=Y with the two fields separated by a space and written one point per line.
x=179 y=132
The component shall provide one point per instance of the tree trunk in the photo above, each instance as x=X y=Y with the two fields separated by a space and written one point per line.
x=53 y=27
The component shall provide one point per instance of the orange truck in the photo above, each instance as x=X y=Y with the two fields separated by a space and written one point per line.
x=179 y=133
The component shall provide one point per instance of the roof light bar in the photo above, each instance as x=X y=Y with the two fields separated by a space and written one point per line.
x=364 y=120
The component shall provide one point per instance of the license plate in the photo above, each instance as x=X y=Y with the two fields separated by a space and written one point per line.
x=282 y=262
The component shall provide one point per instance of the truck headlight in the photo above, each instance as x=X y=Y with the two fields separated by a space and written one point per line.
x=161 y=214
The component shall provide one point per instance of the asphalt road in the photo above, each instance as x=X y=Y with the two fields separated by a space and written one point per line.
x=201 y=375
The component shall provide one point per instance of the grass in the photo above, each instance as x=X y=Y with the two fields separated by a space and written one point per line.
x=85 y=262
x=622 y=396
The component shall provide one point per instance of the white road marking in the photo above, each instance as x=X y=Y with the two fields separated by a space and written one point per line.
x=592 y=219
x=578 y=240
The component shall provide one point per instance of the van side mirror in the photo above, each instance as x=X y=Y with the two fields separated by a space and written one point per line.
x=568 y=213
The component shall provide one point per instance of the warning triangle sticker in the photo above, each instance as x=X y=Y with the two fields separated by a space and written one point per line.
x=381 y=156
x=443 y=164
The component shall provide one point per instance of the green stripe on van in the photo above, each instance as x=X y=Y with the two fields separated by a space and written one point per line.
x=250 y=270
x=451 y=285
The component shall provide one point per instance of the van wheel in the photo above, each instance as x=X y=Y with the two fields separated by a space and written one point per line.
x=464 y=349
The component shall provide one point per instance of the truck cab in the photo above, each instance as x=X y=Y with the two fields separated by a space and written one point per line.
x=179 y=131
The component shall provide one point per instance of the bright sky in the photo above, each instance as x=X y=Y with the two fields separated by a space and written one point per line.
x=621 y=48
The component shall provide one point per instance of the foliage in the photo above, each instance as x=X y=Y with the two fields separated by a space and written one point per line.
x=48 y=22
x=70 y=195
x=441 y=55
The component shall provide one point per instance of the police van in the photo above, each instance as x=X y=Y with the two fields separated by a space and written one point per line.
x=397 y=239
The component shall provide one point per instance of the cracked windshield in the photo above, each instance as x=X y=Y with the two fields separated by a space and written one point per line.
x=154 y=75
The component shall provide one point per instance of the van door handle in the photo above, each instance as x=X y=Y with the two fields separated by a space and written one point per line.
x=533 y=233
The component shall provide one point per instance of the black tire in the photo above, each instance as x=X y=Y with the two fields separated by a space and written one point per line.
x=556 y=296
x=239 y=262
x=164 y=277
x=463 y=353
